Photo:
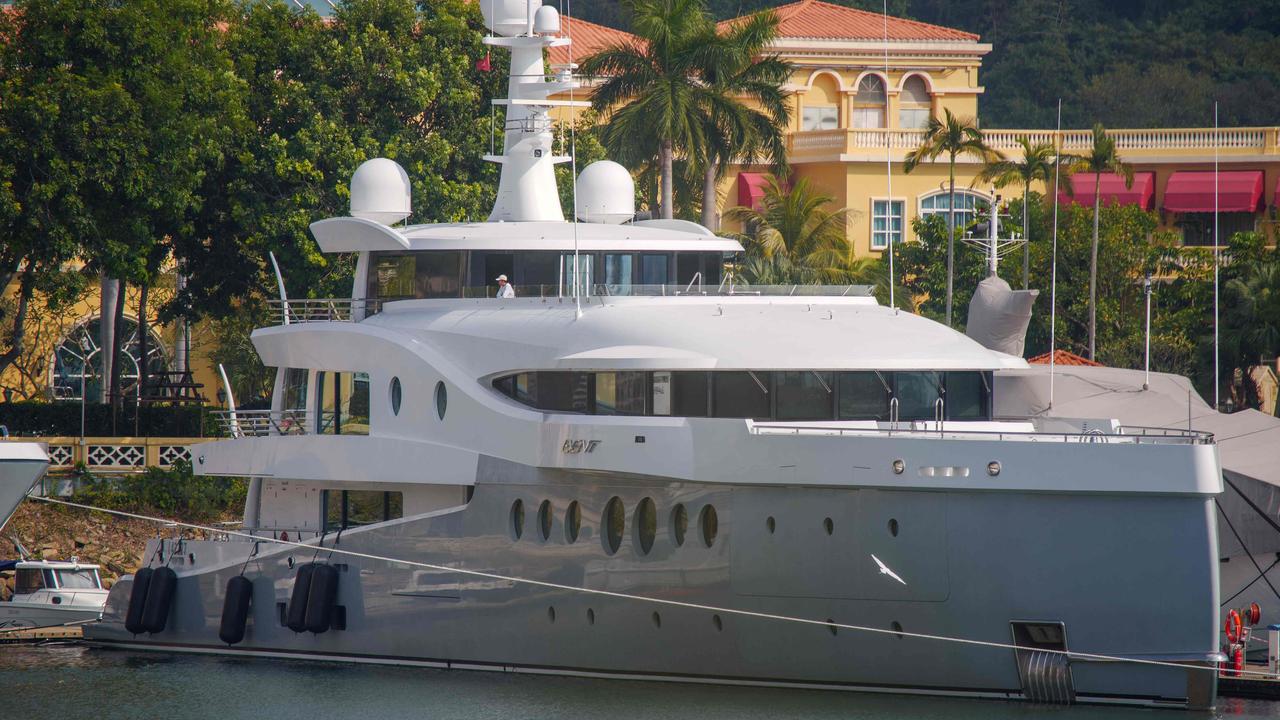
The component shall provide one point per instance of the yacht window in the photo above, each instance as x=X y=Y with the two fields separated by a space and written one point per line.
x=646 y=525
x=584 y=263
x=391 y=277
x=615 y=518
x=805 y=395
x=344 y=403
x=710 y=525
x=352 y=508
x=688 y=265
x=563 y=392
x=517 y=518
x=917 y=394
x=863 y=396
x=967 y=394
x=662 y=393
x=442 y=399
x=653 y=269
x=506 y=385
x=545 y=520
x=295 y=389
x=525 y=388
x=617 y=273
x=741 y=395
x=689 y=394
x=535 y=269
x=84 y=579
x=573 y=521
x=621 y=393
x=433 y=274
x=395 y=396
x=27 y=581
x=679 y=523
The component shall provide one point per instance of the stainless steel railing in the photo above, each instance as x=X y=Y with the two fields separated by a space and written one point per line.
x=1128 y=435
x=262 y=423
x=309 y=310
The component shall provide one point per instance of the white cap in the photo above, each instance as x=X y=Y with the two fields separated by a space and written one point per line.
x=501 y=277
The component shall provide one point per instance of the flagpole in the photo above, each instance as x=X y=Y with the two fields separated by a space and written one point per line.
x=1053 y=284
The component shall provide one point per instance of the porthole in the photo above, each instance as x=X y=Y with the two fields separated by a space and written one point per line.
x=517 y=518
x=613 y=522
x=710 y=525
x=395 y=396
x=893 y=527
x=679 y=523
x=657 y=620
x=572 y=522
x=715 y=620
x=828 y=525
x=551 y=614
x=646 y=525
x=831 y=626
x=442 y=399
x=591 y=616
x=544 y=520
x=771 y=524
x=897 y=627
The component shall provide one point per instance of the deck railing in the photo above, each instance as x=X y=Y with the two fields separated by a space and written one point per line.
x=311 y=310
x=1125 y=435
x=261 y=423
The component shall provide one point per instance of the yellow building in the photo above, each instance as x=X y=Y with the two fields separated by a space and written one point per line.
x=860 y=100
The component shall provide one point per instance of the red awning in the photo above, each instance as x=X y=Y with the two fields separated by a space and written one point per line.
x=1112 y=190
x=1238 y=191
x=751 y=189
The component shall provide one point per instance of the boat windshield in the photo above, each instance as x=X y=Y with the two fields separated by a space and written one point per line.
x=84 y=579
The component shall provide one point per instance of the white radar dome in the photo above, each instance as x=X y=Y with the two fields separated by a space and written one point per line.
x=508 y=17
x=380 y=191
x=606 y=194
x=546 y=21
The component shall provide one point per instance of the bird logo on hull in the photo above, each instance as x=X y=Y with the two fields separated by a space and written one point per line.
x=884 y=570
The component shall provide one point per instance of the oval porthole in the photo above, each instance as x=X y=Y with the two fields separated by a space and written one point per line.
x=517 y=518
x=710 y=525
x=828 y=525
x=831 y=626
x=544 y=520
x=442 y=399
x=657 y=620
x=646 y=525
x=771 y=524
x=679 y=523
x=893 y=527
x=897 y=628
x=715 y=620
x=591 y=616
x=613 y=522
x=551 y=614
x=395 y=396
x=573 y=521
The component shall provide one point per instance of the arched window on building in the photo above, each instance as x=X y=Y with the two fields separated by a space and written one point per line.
x=914 y=103
x=966 y=204
x=79 y=357
x=821 y=105
x=869 y=103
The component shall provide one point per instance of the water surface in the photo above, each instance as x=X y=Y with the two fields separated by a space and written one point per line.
x=76 y=682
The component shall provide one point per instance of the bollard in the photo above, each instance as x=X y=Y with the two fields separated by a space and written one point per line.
x=1273 y=650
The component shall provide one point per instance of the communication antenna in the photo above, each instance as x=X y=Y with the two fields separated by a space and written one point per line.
x=1217 y=139
x=573 y=171
x=1053 y=283
x=888 y=159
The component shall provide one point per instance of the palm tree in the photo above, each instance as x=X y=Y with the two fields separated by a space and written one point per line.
x=953 y=137
x=747 y=134
x=793 y=238
x=1101 y=158
x=1036 y=164
x=682 y=82
x=1251 y=322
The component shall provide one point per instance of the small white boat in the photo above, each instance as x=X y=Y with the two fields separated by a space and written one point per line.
x=48 y=593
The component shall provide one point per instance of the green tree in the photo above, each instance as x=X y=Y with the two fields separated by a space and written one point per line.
x=953 y=137
x=794 y=239
x=1249 y=332
x=1036 y=164
x=1101 y=158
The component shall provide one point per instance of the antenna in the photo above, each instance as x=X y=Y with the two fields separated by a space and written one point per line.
x=1053 y=283
x=888 y=158
x=284 y=299
x=231 y=402
x=1216 y=141
x=573 y=170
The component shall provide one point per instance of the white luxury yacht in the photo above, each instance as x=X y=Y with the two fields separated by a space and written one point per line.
x=21 y=465
x=633 y=422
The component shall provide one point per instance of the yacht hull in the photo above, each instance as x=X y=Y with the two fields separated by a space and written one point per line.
x=21 y=465
x=1142 y=583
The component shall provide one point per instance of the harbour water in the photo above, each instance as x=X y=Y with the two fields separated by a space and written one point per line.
x=77 y=682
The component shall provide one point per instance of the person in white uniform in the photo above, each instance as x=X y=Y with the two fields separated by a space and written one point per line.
x=505 y=290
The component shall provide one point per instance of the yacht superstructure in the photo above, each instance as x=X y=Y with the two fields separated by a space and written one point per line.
x=634 y=422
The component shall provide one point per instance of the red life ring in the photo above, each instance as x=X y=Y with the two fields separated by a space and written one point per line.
x=1232 y=626
x=1255 y=613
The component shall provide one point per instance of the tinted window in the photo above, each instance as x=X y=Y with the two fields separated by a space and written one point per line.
x=621 y=393
x=538 y=268
x=28 y=580
x=917 y=393
x=563 y=392
x=741 y=395
x=614 y=521
x=653 y=269
x=966 y=396
x=646 y=524
x=863 y=396
x=689 y=394
x=688 y=265
x=804 y=395
x=617 y=271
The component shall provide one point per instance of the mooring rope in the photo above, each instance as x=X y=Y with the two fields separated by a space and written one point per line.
x=829 y=624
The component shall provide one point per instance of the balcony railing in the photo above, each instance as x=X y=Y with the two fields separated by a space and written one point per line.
x=1137 y=142
x=261 y=423
x=1125 y=435
x=324 y=310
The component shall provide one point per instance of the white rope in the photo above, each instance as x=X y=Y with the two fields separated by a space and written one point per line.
x=1070 y=654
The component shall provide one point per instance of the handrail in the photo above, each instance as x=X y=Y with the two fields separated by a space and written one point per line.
x=263 y=423
x=1168 y=436
x=324 y=309
x=697 y=278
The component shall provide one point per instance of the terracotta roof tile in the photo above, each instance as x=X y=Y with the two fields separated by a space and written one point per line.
x=823 y=20
x=1062 y=357
x=588 y=39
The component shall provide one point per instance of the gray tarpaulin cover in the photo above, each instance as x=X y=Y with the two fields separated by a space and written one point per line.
x=998 y=316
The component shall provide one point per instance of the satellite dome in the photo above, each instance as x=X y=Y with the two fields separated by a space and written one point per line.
x=606 y=194
x=546 y=21
x=507 y=17
x=380 y=191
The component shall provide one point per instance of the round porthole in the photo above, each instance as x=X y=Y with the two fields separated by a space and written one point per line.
x=679 y=523
x=517 y=518
x=573 y=521
x=613 y=522
x=710 y=525
x=544 y=520
x=646 y=525
x=395 y=396
x=442 y=399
